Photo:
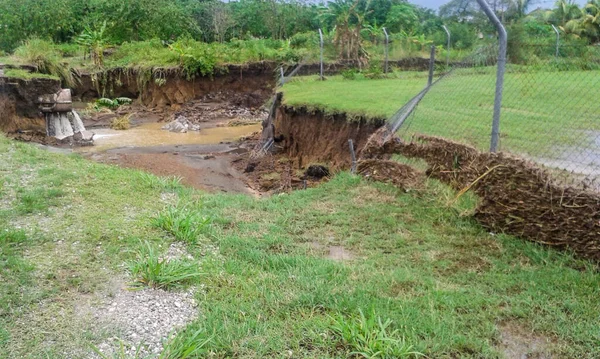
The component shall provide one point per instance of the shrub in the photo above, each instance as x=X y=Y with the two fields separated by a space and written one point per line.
x=370 y=337
x=184 y=223
x=150 y=270
x=349 y=74
x=46 y=58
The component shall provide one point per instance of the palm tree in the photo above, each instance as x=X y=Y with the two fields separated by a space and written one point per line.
x=566 y=10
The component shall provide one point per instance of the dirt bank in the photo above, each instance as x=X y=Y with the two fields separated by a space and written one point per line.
x=317 y=137
x=517 y=197
x=169 y=88
x=18 y=107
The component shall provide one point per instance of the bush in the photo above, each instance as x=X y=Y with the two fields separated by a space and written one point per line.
x=349 y=74
x=150 y=270
x=46 y=58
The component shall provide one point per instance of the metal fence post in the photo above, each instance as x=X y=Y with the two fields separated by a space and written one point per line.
x=557 y=40
x=447 y=47
x=387 y=44
x=431 y=66
x=351 y=144
x=502 y=39
x=321 y=41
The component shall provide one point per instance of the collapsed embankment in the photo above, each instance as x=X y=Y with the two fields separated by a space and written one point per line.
x=18 y=102
x=167 y=88
x=517 y=197
x=315 y=136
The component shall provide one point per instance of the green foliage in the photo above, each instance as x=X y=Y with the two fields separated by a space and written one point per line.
x=113 y=104
x=349 y=74
x=161 y=183
x=150 y=270
x=190 y=343
x=185 y=223
x=46 y=58
x=94 y=40
x=370 y=337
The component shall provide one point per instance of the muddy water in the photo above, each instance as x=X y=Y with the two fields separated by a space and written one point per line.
x=150 y=134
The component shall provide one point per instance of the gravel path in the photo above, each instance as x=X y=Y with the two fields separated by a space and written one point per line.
x=145 y=317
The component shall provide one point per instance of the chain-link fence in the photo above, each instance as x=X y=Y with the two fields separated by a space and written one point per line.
x=550 y=112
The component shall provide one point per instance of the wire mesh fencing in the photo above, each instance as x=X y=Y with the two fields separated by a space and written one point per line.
x=550 y=113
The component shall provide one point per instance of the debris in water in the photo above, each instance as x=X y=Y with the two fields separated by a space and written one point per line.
x=181 y=125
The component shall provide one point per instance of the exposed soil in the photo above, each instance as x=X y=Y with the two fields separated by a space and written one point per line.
x=316 y=137
x=517 y=343
x=166 y=88
x=399 y=174
x=18 y=107
x=206 y=167
x=517 y=197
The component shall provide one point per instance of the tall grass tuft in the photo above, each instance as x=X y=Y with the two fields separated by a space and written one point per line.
x=184 y=223
x=150 y=270
x=171 y=183
x=187 y=344
x=370 y=337
x=46 y=58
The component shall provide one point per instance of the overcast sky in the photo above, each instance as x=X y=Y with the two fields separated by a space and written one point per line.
x=435 y=4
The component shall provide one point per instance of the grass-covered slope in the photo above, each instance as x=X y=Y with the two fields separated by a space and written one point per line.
x=267 y=287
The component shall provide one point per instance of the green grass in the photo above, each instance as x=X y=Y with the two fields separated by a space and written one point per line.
x=26 y=75
x=440 y=284
x=149 y=269
x=361 y=97
x=185 y=223
x=549 y=114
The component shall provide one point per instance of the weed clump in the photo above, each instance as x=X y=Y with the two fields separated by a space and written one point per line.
x=370 y=337
x=121 y=123
x=150 y=270
x=170 y=183
x=184 y=223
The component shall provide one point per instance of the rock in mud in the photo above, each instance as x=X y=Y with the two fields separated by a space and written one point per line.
x=317 y=171
x=181 y=125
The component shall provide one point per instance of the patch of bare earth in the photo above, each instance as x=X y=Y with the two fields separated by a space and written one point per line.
x=519 y=343
x=336 y=253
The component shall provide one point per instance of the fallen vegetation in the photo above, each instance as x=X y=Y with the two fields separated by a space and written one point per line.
x=426 y=277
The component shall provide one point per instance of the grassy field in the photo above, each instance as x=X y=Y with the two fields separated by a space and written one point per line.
x=544 y=114
x=440 y=284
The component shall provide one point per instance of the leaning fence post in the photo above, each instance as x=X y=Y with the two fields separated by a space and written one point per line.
x=447 y=47
x=387 y=44
x=321 y=56
x=431 y=66
x=557 y=39
x=351 y=144
x=502 y=38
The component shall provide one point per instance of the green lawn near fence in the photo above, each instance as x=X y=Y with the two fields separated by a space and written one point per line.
x=268 y=284
x=544 y=113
